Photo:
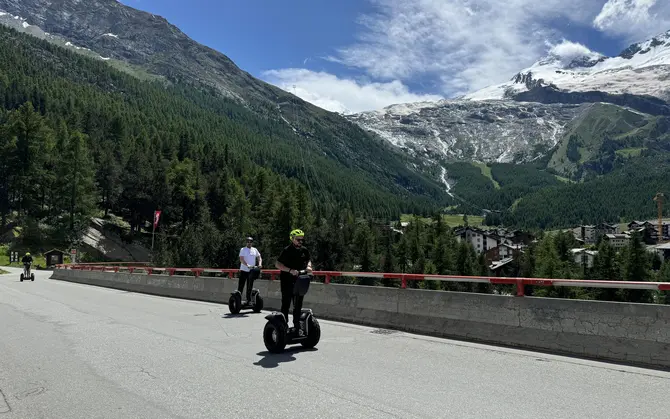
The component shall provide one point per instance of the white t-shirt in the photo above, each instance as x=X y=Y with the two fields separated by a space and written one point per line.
x=249 y=257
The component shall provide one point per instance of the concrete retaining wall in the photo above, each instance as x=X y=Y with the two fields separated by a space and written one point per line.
x=637 y=334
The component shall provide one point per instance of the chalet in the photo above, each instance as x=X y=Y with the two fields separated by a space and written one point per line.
x=617 y=240
x=584 y=256
x=505 y=267
x=482 y=241
x=503 y=251
x=587 y=233
x=606 y=228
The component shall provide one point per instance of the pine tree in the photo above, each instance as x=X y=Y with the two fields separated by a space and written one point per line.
x=81 y=189
x=636 y=268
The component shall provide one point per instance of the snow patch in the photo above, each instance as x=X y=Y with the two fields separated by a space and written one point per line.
x=104 y=58
x=3 y=13
x=111 y=35
x=25 y=25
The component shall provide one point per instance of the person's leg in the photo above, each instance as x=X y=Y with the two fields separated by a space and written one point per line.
x=243 y=278
x=297 y=309
x=250 y=283
x=286 y=296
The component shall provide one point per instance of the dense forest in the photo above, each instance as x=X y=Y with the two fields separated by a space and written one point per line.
x=79 y=139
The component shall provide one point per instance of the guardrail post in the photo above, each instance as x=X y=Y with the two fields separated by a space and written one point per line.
x=403 y=282
x=273 y=276
x=520 y=288
x=327 y=281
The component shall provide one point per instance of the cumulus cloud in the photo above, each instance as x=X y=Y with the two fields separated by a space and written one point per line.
x=568 y=51
x=634 y=19
x=342 y=95
x=463 y=45
x=467 y=44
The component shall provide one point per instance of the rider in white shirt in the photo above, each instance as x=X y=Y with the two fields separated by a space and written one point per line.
x=249 y=256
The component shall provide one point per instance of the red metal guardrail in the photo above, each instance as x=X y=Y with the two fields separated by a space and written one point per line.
x=404 y=278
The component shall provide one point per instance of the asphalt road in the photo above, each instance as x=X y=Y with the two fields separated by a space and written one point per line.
x=75 y=351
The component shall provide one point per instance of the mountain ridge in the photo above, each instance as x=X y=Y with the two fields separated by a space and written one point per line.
x=148 y=44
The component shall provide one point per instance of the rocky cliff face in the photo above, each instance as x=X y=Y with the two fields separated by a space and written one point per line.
x=483 y=131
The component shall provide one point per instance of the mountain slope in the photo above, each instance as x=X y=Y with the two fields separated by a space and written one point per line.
x=592 y=141
x=149 y=45
x=624 y=194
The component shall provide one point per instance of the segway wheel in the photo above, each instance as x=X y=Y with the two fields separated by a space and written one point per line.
x=259 y=304
x=314 y=334
x=274 y=337
x=32 y=277
x=22 y=277
x=234 y=305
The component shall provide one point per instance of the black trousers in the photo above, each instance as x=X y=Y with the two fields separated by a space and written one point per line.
x=248 y=278
x=286 y=298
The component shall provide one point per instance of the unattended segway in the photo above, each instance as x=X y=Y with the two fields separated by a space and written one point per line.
x=26 y=274
x=277 y=333
x=235 y=303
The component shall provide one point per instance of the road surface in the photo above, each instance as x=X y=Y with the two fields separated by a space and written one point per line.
x=75 y=351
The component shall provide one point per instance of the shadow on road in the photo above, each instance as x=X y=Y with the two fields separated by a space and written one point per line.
x=233 y=316
x=271 y=360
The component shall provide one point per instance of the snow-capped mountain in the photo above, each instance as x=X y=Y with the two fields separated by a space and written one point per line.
x=524 y=118
x=641 y=69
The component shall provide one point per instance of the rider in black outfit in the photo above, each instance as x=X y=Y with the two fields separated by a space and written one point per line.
x=27 y=259
x=290 y=262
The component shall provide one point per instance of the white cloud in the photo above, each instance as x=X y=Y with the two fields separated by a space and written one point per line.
x=462 y=45
x=568 y=51
x=342 y=95
x=467 y=44
x=636 y=20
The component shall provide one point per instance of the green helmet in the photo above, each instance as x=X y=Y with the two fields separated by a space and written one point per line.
x=27 y=253
x=295 y=233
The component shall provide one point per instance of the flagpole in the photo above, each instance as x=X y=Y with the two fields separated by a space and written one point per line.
x=153 y=234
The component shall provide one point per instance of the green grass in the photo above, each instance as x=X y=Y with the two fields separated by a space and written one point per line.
x=3 y=272
x=486 y=171
x=563 y=179
x=37 y=260
x=4 y=258
x=452 y=220
x=630 y=152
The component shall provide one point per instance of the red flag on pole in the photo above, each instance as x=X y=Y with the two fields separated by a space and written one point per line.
x=157 y=216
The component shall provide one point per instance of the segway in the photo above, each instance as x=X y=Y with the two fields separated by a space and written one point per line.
x=26 y=274
x=235 y=303
x=277 y=333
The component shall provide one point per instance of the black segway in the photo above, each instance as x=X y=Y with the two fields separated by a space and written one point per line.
x=26 y=274
x=235 y=303
x=277 y=333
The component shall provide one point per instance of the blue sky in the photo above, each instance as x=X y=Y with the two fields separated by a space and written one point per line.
x=355 y=55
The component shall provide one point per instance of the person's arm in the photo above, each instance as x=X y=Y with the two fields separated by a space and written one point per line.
x=309 y=261
x=280 y=265
x=259 y=260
